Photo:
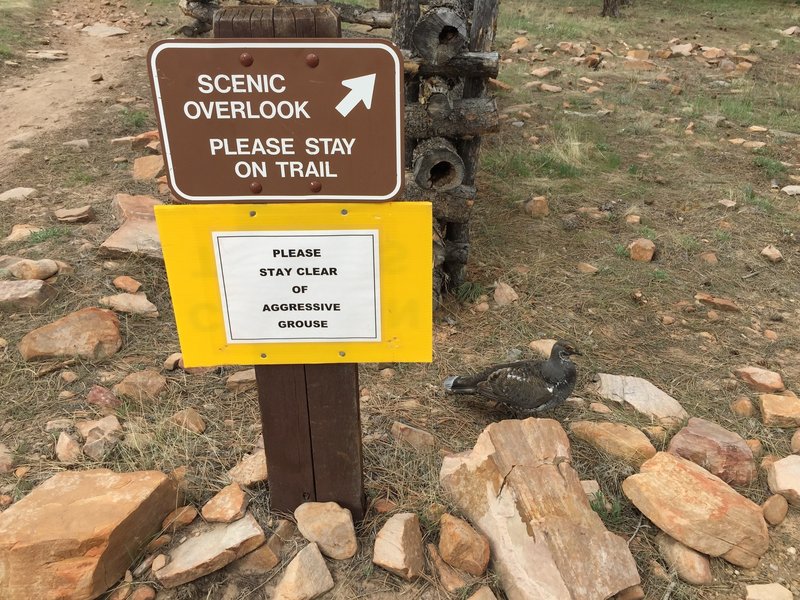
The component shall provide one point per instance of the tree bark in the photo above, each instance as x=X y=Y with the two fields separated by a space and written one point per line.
x=466 y=64
x=468 y=118
x=437 y=165
x=610 y=8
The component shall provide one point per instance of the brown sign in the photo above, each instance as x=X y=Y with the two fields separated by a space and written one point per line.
x=252 y=121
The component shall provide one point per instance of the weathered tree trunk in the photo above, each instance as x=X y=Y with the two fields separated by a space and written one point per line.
x=441 y=32
x=466 y=64
x=468 y=118
x=406 y=13
x=437 y=165
x=610 y=8
x=352 y=13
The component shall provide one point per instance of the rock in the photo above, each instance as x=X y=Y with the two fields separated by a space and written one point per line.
x=768 y=591
x=257 y=562
x=108 y=425
x=6 y=459
x=283 y=533
x=743 y=407
x=22 y=193
x=783 y=477
x=329 y=526
x=179 y=518
x=241 y=381
x=34 y=269
x=760 y=380
x=779 y=411
x=795 y=444
x=723 y=304
x=127 y=284
x=58 y=425
x=217 y=546
x=635 y=592
x=537 y=207
x=67 y=449
x=721 y=452
x=251 y=469
x=306 y=577
x=517 y=487
x=28 y=294
x=173 y=361
x=462 y=547
x=74 y=535
x=91 y=333
x=136 y=304
x=141 y=385
x=691 y=566
x=504 y=294
x=698 y=509
x=553 y=89
x=398 y=546
x=159 y=562
x=682 y=49
x=599 y=408
x=100 y=436
x=449 y=578
x=775 y=509
x=710 y=258
x=793 y=30
x=544 y=72
x=756 y=447
x=143 y=592
x=103 y=31
x=587 y=268
x=103 y=397
x=82 y=214
x=542 y=347
x=21 y=232
x=149 y=167
x=419 y=439
x=190 y=419
x=641 y=395
x=483 y=593
x=623 y=442
x=229 y=504
x=642 y=249
x=772 y=254
x=138 y=234
x=789 y=190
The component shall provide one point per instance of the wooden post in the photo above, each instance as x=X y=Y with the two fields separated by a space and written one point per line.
x=309 y=413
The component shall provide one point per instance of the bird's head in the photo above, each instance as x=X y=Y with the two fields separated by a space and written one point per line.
x=563 y=350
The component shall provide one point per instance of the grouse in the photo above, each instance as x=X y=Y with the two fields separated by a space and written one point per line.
x=530 y=386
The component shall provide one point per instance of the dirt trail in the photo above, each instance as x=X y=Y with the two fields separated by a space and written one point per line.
x=43 y=95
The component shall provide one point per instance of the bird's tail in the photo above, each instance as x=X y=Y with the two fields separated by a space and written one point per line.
x=458 y=385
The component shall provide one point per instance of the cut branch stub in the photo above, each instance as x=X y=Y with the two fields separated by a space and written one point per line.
x=436 y=94
x=437 y=165
x=440 y=34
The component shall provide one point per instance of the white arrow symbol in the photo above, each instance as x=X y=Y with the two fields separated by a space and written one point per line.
x=361 y=89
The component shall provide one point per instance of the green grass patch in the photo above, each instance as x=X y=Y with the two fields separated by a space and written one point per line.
x=647 y=232
x=134 y=120
x=80 y=177
x=750 y=198
x=468 y=292
x=51 y=233
x=771 y=167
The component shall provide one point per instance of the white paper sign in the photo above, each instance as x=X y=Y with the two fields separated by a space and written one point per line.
x=304 y=286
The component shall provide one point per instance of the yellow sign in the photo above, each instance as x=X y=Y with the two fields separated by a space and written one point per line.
x=300 y=283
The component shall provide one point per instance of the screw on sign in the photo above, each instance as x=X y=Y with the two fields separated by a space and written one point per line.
x=283 y=120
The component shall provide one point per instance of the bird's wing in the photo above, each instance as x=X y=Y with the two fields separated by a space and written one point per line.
x=521 y=386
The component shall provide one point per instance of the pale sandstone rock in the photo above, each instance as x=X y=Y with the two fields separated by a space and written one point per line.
x=150 y=167
x=768 y=591
x=517 y=487
x=699 y=509
x=23 y=295
x=6 y=459
x=779 y=411
x=82 y=214
x=282 y=534
x=587 y=268
x=543 y=72
x=34 y=269
x=775 y=509
x=743 y=407
x=229 y=504
x=172 y=361
x=143 y=592
x=179 y=518
x=791 y=190
x=419 y=439
x=135 y=304
x=691 y=566
x=138 y=234
x=90 y=333
x=537 y=207
x=398 y=546
x=449 y=578
x=504 y=294
x=127 y=284
x=623 y=442
x=190 y=419
x=483 y=593
x=717 y=302
x=21 y=232
x=783 y=477
x=760 y=380
x=17 y=194
x=74 y=535
x=141 y=385
x=306 y=577
x=795 y=444
x=462 y=547
x=159 y=562
x=642 y=250
x=109 y=425
x=641 y=395
x=542 y=347
x=241 y=380
x=553 y=89
x=103 y=397
x=259 y=561
x=217 y=546
x=67 y=448
x=251 y=469
x=723 y=453
x=772 y=254
x=329 y=526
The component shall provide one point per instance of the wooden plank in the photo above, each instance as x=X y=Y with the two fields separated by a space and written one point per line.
x=283 y=18
x=241 y=23
x=327 y=22
x=305 y=23
x=265 y=27
x=333 y=412
x=287 y=437
x=223 y=20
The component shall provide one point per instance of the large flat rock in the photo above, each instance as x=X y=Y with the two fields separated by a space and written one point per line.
x=90 y=333
x=699 y=509
x=518 y=488
x=24 y=295
x=641 y=395
x=138 y=233
x=76 y=534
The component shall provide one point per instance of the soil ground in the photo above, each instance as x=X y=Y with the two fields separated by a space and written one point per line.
x=661 y=153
